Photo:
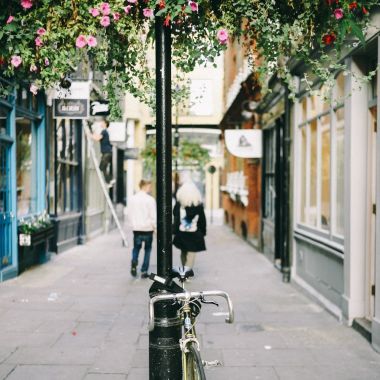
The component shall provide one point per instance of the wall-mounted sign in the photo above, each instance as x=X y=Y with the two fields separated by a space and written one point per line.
x=71 y=108
x=244 y=143
x=100 y=108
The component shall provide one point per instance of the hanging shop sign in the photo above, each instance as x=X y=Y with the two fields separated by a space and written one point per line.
x=244 y=143
x=117 y=131
x=75 y=90
x=131 y=153
x=71 y=108
x=100 y=108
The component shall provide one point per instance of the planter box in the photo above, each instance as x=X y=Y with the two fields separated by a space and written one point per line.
x=38 y=252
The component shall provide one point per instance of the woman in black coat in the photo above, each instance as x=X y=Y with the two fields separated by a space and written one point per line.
x=189 y=223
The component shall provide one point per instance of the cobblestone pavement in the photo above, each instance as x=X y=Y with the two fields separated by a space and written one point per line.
x=82 y=316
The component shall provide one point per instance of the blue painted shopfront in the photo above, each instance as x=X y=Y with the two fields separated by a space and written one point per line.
x=22 y=169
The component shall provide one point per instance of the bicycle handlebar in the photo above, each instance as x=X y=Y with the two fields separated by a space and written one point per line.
x=186 y=296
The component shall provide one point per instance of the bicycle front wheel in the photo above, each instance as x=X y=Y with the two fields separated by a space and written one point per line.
x=193 y=364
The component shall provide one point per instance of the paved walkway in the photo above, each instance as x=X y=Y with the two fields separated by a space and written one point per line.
x=82 y=316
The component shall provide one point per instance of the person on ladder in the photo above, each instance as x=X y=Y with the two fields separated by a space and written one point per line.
x=106 y=151
x=142 y=216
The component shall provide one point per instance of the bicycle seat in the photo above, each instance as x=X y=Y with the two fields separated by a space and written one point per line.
x=182 y=273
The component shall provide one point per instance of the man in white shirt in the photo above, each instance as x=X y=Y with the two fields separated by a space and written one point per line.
x=142 y=216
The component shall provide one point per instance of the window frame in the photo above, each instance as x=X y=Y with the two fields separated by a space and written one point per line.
x=71 y=166
x=35 y=115
x=330 y=234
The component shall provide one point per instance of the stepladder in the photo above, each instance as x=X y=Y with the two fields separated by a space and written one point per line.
x=104 y=185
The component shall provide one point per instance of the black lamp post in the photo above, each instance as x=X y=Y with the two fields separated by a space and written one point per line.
x=164 y=350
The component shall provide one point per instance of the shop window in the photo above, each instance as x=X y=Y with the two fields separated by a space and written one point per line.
x=26 y=195
x=67 y=167
x=269 y=173
x=321 y=166
x=3 y=120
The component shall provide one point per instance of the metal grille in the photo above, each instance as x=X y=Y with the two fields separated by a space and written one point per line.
x=5 y=215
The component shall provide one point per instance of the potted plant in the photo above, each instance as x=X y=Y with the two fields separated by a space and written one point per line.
x=34 y=235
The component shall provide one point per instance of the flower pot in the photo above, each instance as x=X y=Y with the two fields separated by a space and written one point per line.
x=37 y=251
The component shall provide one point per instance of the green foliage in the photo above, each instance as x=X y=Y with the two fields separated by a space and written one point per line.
x=190 y=155
x=272 y=32
x=34 y=223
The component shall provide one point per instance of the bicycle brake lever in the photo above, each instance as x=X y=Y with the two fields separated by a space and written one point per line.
x=203 y=300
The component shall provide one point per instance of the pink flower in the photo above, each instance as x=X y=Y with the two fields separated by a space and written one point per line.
x=16 y=60
x=33 y=89
x=193 y=5
x=116 y=16
x=222 y=36
x=94 y=12
x=105 y=9
x=148 y=12
x=38 y=41
x=92 y=42
x=338 y=13
x=41 y=31
x=10 y=19
x=26 y=4
x=105 y=21
x=81 y=41
x=33 y=68
x=132 y=1
x=127 y=9
x=47 y=62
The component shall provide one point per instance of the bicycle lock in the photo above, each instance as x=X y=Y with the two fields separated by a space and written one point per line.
x=164 y=349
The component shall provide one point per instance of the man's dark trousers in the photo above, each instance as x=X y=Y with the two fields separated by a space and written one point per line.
x=140 y=237
x=103 y=166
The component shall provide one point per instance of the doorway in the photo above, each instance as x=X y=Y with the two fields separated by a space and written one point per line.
x=273 y=192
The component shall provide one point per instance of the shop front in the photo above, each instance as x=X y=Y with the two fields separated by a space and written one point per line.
x=22 y=175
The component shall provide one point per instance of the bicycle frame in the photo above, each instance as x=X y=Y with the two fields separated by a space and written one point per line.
x=186 y=299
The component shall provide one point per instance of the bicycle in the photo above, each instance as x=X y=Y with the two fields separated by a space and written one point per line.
x=190 y=307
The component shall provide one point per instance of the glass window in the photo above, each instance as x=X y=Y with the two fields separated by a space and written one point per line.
x=23 y=98
x=312 y=212
x=303 y=173
x=339 y=88
x=339 y=162
x=67 y=166
x=4 y=189
x=25 y=193
x=322 y=139
x=269 y=178
x=325 y=172
x=3 y=120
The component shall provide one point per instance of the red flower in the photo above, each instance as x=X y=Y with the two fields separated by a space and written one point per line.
x=167 y=20
x=365 y=12
x=162 y=4
x=329 y=39
x=353 y=5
